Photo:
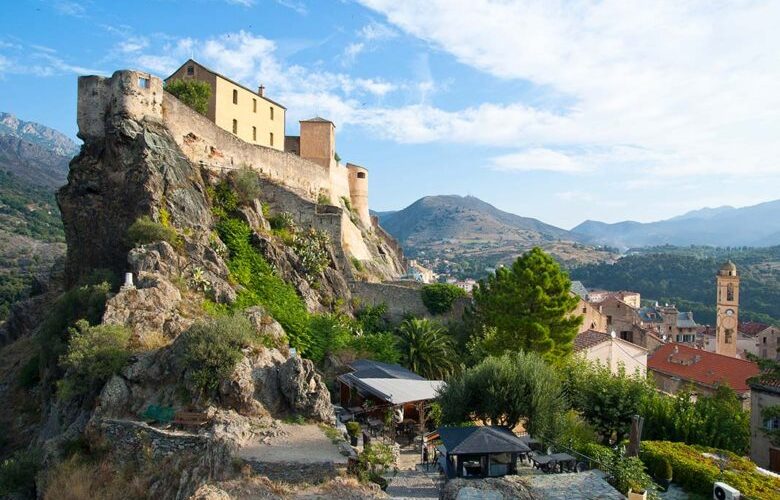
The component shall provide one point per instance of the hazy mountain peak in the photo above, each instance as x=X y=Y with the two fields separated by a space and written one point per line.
x=38 y=134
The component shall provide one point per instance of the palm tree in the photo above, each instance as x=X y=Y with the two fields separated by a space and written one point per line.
x=426 y=349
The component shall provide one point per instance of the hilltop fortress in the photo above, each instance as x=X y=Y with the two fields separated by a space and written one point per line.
x=306 y=164
x=301 y=174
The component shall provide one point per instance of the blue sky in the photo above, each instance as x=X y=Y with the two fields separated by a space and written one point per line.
x=564 y=111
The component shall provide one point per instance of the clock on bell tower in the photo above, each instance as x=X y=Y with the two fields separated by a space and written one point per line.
x=726 y=329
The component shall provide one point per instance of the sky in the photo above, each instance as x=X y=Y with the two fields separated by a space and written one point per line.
x=565 y=111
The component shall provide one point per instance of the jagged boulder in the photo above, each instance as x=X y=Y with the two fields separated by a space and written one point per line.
x=305 y=391
x=135 y=169
x=149 y=308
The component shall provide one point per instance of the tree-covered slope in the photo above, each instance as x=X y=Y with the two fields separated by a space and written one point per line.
x=686 y=276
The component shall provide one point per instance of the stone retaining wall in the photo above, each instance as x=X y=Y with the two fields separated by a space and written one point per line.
x=403 y=299
x=297 y=472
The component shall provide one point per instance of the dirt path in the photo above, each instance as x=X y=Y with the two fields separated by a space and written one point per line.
x=295 y=443
x=409 y=484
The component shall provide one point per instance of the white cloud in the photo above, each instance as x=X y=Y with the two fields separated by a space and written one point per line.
x=297 y=6
x=352 y=51
x=68 y=8
x=244 y=3
x=377 y=31
x=538 y=159
x=688 y=85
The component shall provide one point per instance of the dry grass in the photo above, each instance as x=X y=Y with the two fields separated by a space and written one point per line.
x=77 y=479
x=149 y=341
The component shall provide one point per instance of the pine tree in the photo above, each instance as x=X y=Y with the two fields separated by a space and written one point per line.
x=526 y=307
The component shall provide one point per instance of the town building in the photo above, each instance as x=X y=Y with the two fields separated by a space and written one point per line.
x=764 y=450
x=675 y=366
x=727 y=317
x=611 y=351
x=417 y=272
x=592 y=316
x=249 y=115
x=372 y=388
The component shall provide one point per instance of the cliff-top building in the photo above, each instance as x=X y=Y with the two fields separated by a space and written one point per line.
x=728 y=310
x=249 y=115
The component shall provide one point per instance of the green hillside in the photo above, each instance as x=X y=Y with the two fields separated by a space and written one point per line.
x=686 y=276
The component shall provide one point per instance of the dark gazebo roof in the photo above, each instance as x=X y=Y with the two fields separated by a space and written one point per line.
x=480 y=440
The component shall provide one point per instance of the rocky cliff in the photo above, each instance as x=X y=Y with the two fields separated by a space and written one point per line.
x=193 y=239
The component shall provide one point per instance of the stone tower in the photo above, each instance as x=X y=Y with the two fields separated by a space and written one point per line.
x=726 y=332
x=358 y=192
x=318 y=141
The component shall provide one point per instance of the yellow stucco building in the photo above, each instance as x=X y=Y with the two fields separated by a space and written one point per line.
x=249 y=115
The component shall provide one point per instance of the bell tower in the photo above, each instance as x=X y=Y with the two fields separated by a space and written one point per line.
x=726 y=332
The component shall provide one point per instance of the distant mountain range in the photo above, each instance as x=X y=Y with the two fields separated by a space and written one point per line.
x=757 y=225
x=33 y=164
x=34 y=153
x=472 y=235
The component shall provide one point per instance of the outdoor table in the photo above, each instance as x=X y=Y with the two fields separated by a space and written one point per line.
x=564 y=460
x=547 y=463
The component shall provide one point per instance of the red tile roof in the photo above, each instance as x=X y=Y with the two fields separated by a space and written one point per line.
x=588 y=339
x=702 y=367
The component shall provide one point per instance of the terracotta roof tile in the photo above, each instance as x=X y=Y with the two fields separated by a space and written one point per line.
x=703 y=367
x=588 y=339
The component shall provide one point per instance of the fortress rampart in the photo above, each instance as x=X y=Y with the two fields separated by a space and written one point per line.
x=138 y=95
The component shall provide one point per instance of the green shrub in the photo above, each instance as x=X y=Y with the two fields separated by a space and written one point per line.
x=87 y=302
x=573 y=431
x=30 y=374
x=347 y=203
x=357 y=264
x=17 y=474
x=261 y=285
x=144 y=230
x=193 y=93
x=373 y=461
x=373 y=319
x=224 y=201
x=94 y=354
x=212 y=349
x=353 y=428
x=246 y=183
x=696 y=473
x=663 y=469
x=323 y=199
x=329 y=333
x=380 y=346
x=438 y=297
x=311 y=246
x=283 y=220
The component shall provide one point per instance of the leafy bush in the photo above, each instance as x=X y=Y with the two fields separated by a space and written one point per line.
x=193 y=93
x=380 y=346
x=606 y=401
x=246 y=183
x=283 y=220
x=224 y=201
x=212 y=349
x=94 y=354
x=357 y=264
x=625 y=472
x=87 y=302
x=372 y=319
x=573 y=431
x=438 y=297
x=311 y=246
x=716 y=420
x=505 y=391
x=323 y=199
x=373 y=461
x=329 y=333
x=427 y=349
x=663 y=469
x=697 y=472
x=262 y=286
x=144 y=230
x=353 y=428
x=17 y=474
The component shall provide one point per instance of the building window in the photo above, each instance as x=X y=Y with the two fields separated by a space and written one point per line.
x=764 y=340
x=190 y=70
x=235 y=96
x=362 y=175
x=729 y=335
x=254 y=133
x=254 y=105
x=772 y=424
x=235 y=127
x=609 y=320
x=584 y=310
x=271 y=109
x=271 y=138
x=730 y=292
x=143 y=82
